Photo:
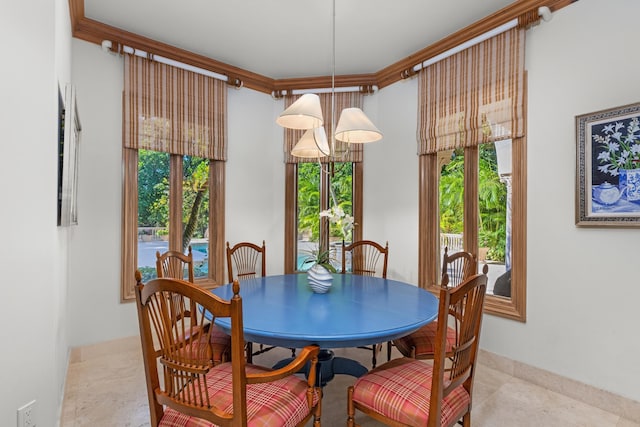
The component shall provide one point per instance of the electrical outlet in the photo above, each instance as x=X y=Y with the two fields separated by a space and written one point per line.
x=27 y=415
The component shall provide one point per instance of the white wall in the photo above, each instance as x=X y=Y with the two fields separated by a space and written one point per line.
x=581 y=319
x=391 y=178
x=96 y=313
x=582 y=283
x=33 y=253
x=255 y=175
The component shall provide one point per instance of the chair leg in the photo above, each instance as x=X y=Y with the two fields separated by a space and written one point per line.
x=389 y=345
x=249 y=352
x=374 y=359
x=317 y=413
x=350 y=408
x=293 y=352
x=466 y=420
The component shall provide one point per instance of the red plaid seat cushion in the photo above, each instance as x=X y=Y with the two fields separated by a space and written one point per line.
x=221 y=345
x=400 y=390
x=424 y=341
x=217 y=349
x=278 y=403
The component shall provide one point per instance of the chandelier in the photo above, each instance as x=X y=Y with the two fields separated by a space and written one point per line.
x=306 y=113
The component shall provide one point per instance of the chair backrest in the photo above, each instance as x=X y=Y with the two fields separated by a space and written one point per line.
x=175 y=265
x=363 y=256
x=467 y=300
x=246 y=260
x=458 y=266
x=182 y=351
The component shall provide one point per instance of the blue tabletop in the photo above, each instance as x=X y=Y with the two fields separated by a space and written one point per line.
x=358 y=310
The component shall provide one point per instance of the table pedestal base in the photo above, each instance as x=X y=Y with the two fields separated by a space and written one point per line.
x=329 y=366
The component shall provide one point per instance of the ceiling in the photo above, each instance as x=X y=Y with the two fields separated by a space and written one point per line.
x=293 y=38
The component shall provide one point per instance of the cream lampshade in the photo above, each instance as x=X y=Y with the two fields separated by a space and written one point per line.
x=313 y=144
x=305 y=113
x=355 y=127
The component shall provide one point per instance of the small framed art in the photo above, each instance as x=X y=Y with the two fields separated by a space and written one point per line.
x=608 y=167
x=68 y=150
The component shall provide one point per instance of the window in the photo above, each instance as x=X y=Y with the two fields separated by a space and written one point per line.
x=307 y=193
x=174 y=149
x=472 y=150
x=307 y=186
x=309 y=224
x=492 y=205
x=173 y=210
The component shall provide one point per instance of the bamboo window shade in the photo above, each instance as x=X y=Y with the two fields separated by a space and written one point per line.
x=342 y=100
x=173 y=110
x=474 y=96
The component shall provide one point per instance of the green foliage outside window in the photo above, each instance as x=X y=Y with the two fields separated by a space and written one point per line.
x=153 y=193
x=309 y=196
x=492 y=201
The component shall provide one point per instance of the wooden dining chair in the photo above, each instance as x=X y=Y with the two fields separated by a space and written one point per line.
x=176 y=265
x=193 y=388
x=410 y=392
x=246 y=260
x=363 y=257
x=456 y=268
x=366 y=258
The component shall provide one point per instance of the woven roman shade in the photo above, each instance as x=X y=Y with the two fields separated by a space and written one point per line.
x=173 y=110
x=474 y=96
x=342 y=100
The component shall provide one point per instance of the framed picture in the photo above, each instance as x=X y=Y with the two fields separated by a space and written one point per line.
x=68 y=146
x=608 y=168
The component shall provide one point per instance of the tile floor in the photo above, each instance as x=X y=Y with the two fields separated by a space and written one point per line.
x=107 y=388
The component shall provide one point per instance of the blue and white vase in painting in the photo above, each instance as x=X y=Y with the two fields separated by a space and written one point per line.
x=629 y=183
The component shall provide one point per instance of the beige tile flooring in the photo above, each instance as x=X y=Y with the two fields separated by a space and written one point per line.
x=105 y=386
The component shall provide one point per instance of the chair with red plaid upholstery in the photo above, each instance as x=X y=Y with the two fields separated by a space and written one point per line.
x=196 y=392
x=456 y=268
x=176 y=265
x=410 y=392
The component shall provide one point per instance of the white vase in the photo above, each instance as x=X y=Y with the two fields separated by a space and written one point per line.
x=320 y=279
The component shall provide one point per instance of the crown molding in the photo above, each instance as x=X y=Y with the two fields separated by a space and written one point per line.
x=95 y=32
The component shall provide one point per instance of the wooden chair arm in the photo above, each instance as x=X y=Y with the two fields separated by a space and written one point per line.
x=308 y=353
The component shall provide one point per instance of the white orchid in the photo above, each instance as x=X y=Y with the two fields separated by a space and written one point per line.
x=620 y=145
x=344 y=221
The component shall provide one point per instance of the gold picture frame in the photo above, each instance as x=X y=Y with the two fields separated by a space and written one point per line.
x=608 y=167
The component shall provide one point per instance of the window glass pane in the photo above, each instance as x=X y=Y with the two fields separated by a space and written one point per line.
x=342 y=186
x=153 y=209
x=195 y=212
x=308 y=204
x=451 y=201
x=494 y=218
x=342 y=191
x=308 y=212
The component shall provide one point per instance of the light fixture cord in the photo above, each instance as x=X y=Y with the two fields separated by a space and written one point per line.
x=332 y=148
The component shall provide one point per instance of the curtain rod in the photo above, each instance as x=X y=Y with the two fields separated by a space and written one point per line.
x=107 y=47
x=544 y=12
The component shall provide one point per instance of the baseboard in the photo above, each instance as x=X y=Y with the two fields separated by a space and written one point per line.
x=79 y=354
x=602 y=399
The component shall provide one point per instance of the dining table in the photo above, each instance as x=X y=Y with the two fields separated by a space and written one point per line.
x=283 y=311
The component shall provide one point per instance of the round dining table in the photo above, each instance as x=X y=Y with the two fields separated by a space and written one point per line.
x=358 y=310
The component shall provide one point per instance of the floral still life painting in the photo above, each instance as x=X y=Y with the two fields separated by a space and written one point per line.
x=608 y=167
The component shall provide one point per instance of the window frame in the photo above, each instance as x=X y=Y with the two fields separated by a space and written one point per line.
x=129 y=261
x=429 y=227
x=291 y=210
